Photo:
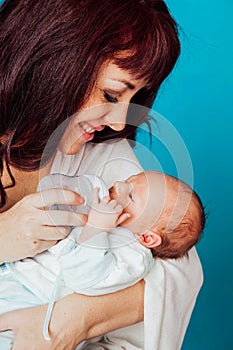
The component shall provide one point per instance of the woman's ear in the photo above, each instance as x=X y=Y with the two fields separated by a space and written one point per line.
x=150 y=239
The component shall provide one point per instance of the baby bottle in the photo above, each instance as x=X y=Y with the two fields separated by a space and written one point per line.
x=82 y=184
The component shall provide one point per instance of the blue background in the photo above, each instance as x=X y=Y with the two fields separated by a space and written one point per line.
x=197 y=99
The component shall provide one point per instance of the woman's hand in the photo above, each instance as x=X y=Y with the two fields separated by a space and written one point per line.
x=28 y=229
x=68 y=325
x=74 y=319
x=27 y=325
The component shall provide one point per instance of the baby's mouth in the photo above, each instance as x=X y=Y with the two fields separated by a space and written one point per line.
x=112 y=193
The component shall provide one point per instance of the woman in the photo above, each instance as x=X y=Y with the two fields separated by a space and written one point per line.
x=59 y=59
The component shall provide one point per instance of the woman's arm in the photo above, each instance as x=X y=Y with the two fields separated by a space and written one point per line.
x=112 y=311
x=75 y=318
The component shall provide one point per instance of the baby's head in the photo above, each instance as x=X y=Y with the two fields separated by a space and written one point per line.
x=166 y=215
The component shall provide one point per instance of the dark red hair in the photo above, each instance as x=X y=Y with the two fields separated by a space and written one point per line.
x=179 y=239
x=50 y=55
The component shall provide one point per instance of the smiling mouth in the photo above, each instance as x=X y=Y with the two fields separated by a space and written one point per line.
x=90 y=129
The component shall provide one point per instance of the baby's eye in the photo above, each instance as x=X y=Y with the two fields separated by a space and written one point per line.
x=130 y=196
x=110 y=98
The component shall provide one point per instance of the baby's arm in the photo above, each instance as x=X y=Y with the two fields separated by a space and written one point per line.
x=102 y=263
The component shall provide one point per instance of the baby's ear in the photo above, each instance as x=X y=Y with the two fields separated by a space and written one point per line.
x=150 y=239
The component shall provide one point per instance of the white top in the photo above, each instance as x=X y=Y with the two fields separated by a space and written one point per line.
x=171 y=286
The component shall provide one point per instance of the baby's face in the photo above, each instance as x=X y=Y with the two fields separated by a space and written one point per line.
x=143 y=197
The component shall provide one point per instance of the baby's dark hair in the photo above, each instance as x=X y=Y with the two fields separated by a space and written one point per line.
x=180 y=235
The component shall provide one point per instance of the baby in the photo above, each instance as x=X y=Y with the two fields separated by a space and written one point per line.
x=164 y=214
x=149 y=214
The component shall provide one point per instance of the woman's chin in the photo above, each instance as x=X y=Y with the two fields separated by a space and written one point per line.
x=70 y=149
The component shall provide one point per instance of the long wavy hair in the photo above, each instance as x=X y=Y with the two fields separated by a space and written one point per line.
x=50 y=55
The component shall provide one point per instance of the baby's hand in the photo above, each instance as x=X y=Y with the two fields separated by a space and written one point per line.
x=104 y=212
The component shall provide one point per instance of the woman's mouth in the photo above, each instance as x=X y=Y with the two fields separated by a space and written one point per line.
x=88 y=130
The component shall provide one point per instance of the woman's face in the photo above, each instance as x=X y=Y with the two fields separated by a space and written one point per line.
x=106 y=106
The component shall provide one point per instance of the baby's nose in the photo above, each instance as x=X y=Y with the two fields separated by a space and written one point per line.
x=121 y=190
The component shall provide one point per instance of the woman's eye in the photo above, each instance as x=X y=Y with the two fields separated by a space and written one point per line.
x=110 y=98
x=130 y=196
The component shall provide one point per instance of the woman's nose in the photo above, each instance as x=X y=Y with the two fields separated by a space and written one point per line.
x=116 y=119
